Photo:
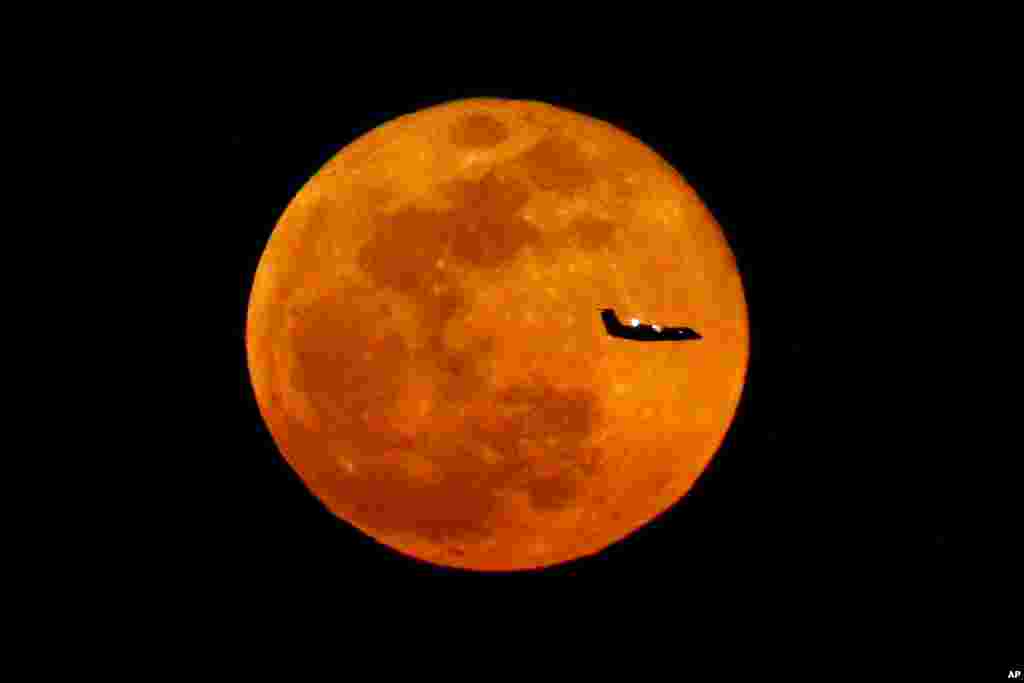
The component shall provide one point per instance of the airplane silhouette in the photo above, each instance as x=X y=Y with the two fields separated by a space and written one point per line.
x=642 y=332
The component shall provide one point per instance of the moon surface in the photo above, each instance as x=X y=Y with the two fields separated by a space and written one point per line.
x=425 y=344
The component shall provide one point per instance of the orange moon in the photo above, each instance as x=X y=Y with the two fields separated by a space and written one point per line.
x=425 y=345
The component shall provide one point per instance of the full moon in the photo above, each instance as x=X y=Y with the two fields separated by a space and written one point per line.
x=425 y=343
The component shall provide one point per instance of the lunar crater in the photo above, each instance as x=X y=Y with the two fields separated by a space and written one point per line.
x=478 y=130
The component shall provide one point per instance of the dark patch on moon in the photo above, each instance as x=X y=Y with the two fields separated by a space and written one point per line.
x=593 y=232
x=339 y=377
x=486 y=229
x=555 y=163
x=554 y=493
x=478 y=130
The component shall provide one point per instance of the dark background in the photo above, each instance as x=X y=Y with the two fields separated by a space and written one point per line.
x=820 y=484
